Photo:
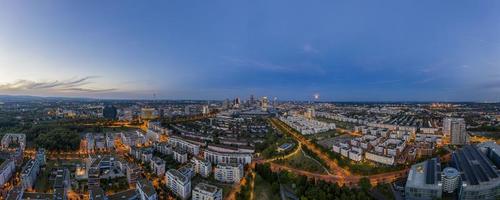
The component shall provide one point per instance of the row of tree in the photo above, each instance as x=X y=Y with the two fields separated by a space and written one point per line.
x=312 y=189
x=61 y=135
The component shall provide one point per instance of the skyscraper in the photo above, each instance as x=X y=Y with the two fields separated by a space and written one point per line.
x=252 y=100
x=264 y=103
x=455 y=128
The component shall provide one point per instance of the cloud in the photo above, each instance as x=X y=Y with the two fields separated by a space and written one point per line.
x=495 y=84
x=70 y=85
x=250 y=63
x=308 y=48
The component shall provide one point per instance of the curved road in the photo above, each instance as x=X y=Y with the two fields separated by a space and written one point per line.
x=340 y=175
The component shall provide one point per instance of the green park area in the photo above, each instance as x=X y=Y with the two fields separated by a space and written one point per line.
x=263 y=189
x=303 y=161
x=61 y=135
x=269 y=148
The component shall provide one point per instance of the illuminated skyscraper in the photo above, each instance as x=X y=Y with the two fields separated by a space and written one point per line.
x=264 y=103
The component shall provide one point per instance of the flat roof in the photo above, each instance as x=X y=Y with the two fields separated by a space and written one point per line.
x=59 y=193
x=15 y=193
x=177 y=174
x=36 y=195
x=147 y=187
x=97 y=193
x=206 y=187
x=474 y=165
x=426 y=174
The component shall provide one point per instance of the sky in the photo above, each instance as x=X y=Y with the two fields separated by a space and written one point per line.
x=392 y=50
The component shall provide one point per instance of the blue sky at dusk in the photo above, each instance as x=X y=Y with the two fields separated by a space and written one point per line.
x=344 y=50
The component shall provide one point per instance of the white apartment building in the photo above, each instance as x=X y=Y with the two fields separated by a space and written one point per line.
x=180 y=155
x=132 y=138
x=307 y=126
x=152 y=136
x=157 y=166
x=17 y=138
x=29 y=174
x=204 y=191
x=220 y=157
x=179 y=142
x=229 y=173
x=178 y=183
x=202 y=167
x=6 y=170
x=146 y=190
x=163 y=148
x=356 y=154
x=378 y=158
x=187 y=170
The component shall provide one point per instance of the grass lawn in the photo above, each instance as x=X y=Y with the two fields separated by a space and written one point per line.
x=301 y=161
x=262 y=189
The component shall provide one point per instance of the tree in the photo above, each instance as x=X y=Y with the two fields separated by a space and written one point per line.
x=365 y=184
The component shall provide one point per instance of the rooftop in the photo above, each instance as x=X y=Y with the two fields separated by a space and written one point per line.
x=474 y=166
x=426 y=174
x=206 y=187
x=59 y=194
x=177 y=175
x=36 y=195
x=28 y=167
x=96 y=193
x=146 y=187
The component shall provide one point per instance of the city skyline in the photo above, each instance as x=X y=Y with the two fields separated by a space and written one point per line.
x=344 y=51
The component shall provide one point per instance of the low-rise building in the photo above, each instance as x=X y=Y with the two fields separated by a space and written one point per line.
x=380 y=158
x=163 y=148
x=204 y=191
x=307 y=126
x=97 y=193
x=187 y=170
x=217 y=157
x=61 y=184
x=202 y=167
x=178 y=183
x=180 y=155
x=229 y=172
x=29 y=174
x=18 y=139
x=158 y=166
x=424 y=181
x=6 y=170
x=133 y=173
x=479 y=170
x=181 y=143
x=146 y=190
